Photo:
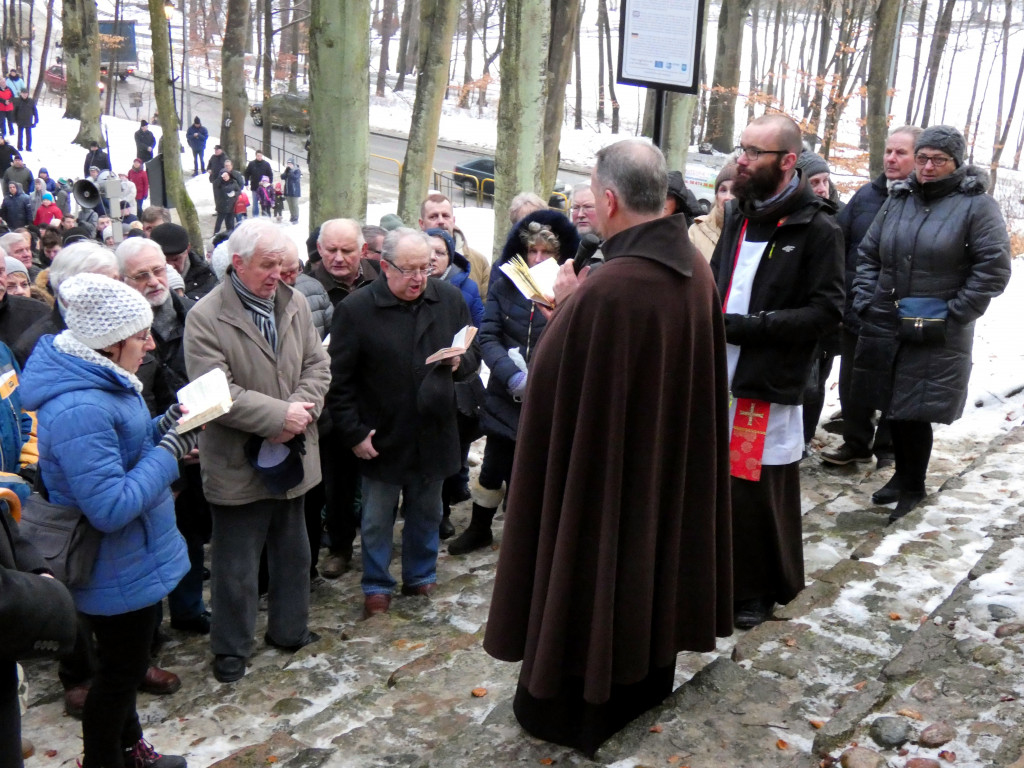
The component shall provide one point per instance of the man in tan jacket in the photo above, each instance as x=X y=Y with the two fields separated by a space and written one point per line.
x=260 y=333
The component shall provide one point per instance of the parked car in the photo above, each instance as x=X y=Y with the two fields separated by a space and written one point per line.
x=289 y=111
x=478 y=174
x=56 y=79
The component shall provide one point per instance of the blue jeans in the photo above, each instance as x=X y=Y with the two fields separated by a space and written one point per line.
x=421 y=507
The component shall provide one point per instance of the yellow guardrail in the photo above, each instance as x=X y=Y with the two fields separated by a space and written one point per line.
x=388 y=160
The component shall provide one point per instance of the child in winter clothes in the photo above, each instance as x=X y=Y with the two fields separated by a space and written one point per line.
x=242 y=206
x=265 y=195
x=278 y=201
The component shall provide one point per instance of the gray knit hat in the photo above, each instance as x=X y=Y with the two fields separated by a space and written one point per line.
x=13 y=265
x=174 y=279
x=811 y=164
x=944 y=137
x=100 y=311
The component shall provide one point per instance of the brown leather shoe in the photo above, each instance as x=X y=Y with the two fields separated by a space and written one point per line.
x=74 y=700
x=160 y=682
x=374 y=604
x=423 y=590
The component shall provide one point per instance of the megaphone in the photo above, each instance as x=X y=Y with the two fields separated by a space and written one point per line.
x=86 y=193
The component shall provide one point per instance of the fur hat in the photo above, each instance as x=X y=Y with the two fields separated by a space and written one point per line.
x=944 y=137
x=172 y=238
x=100 y=311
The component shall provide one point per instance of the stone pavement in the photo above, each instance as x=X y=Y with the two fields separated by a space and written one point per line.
x=906 y=649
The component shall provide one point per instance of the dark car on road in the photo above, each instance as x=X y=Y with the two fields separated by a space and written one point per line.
x=478 y=174
x=289 y=111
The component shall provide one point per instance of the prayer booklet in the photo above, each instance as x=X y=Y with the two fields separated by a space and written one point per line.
x=459 y=345
x=206 y=398
x=536 y=283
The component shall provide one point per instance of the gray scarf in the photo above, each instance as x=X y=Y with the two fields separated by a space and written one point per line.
x=261 y=310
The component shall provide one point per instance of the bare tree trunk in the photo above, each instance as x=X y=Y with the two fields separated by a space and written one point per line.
x=981 y=109
x=386 y=31
x=45 y=52
x=467 y=55
x=339 y=60
x=520 y=149
x=911 y=112
x=163 y=91
x=1020 y=148
x=564 y=21
x=977 y=75
x=1001 y=139
x=770 y=84
x=268 y=75
x=408 y=21
x=437 y=21
x=293 y=33
x=754 y=79
x=234 y=99
x=82 y=64
x=603 y=6
x=578 y=122
x=942 y=27
x=813 y=116
x=952 y=62
x=721 y=115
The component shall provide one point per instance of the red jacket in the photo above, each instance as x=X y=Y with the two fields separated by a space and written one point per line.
x=141 y=181
x=46 y=213
x=6 y=99
x=242 y=205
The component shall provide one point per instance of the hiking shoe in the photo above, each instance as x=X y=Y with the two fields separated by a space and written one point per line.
x=844 y=454
x=142 y=755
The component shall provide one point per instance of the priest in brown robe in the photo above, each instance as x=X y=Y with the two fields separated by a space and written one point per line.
x=616 y=553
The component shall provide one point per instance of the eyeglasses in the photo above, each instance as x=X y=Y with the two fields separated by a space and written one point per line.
x=145 y=277
x=408 y=273
x=937 y=161
x=753 y=153
x=583 y=209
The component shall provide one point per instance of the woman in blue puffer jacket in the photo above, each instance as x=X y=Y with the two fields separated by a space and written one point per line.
x=101 y=452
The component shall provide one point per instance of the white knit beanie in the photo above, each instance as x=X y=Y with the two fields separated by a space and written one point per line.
x=100 y=311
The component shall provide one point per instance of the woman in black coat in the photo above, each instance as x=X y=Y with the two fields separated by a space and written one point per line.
x=512 y=324
x=939 y=236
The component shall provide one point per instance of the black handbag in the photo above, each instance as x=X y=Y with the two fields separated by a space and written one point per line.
x=922 y=319
x=62 y=535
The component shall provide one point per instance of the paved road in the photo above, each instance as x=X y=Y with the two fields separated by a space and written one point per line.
x=385 y=148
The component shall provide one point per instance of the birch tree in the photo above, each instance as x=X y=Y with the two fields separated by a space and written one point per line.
x=437 y=22
x=519 y=155
x=339 y=62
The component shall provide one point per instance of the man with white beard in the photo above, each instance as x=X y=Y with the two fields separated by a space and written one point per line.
x=143 y=267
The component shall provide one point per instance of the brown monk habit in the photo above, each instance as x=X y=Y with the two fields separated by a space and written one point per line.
x=617 y=543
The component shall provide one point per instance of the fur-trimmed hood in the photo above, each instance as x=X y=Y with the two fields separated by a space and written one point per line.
x=967 y=180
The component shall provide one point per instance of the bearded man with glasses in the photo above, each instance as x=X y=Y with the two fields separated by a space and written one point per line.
x=396 y=412
x=779 y=270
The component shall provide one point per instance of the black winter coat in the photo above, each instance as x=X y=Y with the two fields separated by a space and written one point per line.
x=945 y=239
x=17 y=313
x=98 y=158
x=37 y=615
x=380 y=380
x=854 y=219
x=144 y=143
x=799 y=289
x=256 y=170
x=25 y=112
x=200 y=279
x=7 y=155
x=225 y=193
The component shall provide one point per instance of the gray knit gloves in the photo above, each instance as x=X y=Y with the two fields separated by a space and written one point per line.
x=179 y=444
x=170 y=418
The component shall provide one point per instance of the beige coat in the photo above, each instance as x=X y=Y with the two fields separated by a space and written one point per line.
x=219 y=333
x=479 y=265
x=705 y=230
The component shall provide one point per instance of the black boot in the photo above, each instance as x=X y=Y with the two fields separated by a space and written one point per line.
x=477 y=535
x=446 y=530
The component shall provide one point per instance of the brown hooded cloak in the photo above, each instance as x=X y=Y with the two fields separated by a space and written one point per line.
x=617 y=542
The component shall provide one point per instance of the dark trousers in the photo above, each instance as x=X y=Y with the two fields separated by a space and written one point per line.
x=192 y=514
x=26 y=131
x=340 y=469
x=858 y=429
x=110 y=723
x=814 y=392
x=10 y=716
x=227 y=219
x=497 y=464
x=78 y=666
x=198 y=161
x=912 y=449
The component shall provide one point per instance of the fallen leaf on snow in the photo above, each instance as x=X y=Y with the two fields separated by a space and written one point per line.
x=911 y=713
x=817 y=723
x=895 y=616
x=50 y=753
x=546 y=761
x=860 y=685
x=949 y=757
x=656 y=729
x=479 y=692
x=781 y=744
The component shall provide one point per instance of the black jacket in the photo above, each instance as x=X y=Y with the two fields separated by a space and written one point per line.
x=200 y=279
x=797 y=296
x=854 y=219
x=256 y=170
x=37 y=615
x=98 y=158
x=7 y=155
x=144 y=143
x=946 y=239
x=225 y=193
x=170 y=349
x=380 y=380
x=215 y=164
x=16 y=314
x=25 y=112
